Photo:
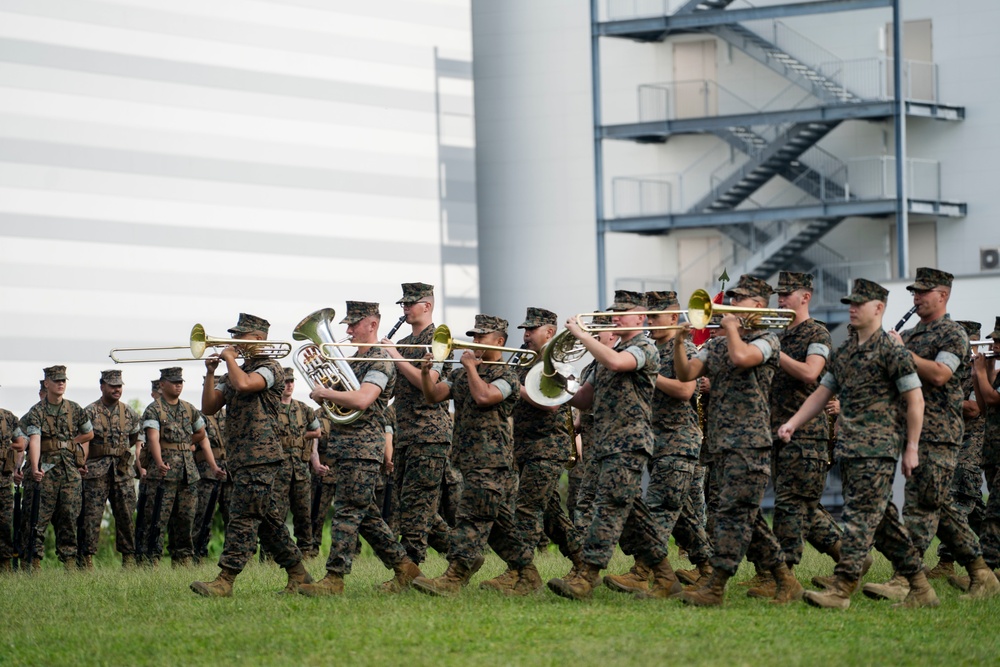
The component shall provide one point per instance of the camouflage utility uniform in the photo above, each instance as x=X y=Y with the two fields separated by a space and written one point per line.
x=323 y=486
x=990 y=530
x=292 y=486
x=9 y=431
x=215 y=426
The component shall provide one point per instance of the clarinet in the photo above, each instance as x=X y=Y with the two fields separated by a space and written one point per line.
x=395 y=327
x=902 y=322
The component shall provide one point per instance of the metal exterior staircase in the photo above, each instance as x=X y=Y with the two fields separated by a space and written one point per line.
x=702 y=5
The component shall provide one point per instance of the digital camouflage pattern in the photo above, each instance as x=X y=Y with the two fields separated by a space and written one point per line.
x=483 y=436
x=675 y=423
x=869 y=380
x=788 y=393
x=253 y=511
x=623 y=402
x=690 y=529
x=8 y=431
x=738 y=478
x=322 y=486
x=581 y=512
x=292 y=485
x=176 y=425
x=539 y=509
x=539 y=433
x=252 y=434
x=61 y=495
x=364 y=438
x=944 y=341
x=417 y=421
x=670 y=479
x=485 y=516
x=215 y=431
x=110 y=476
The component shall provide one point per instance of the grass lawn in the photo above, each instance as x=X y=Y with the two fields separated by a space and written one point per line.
x=115 y=617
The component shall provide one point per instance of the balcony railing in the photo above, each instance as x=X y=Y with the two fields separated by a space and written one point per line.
x=875 y=178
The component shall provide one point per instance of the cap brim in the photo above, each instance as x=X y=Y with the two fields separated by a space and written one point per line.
x=405 y=299
x=237 y=330
x=993 y=334
x=738 y=291
x=351 y=320
x=923 y=287
x=854 y=299
x=478 y=332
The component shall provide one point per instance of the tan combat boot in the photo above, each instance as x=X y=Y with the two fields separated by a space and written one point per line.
x=36 y=566
x=697 y=576
x=578 y=584
x=895 y=589
x=711 y=594
x=297 y=576
x=919 y=593
x=502 y=583
x=128 y=561
x=944 y=568
x=448 y=584
x=960 y=581
x=6 y=566
x=982 y=582
x=635 y=580
x=759 y=578
x=71 y=565
x=220 y=587
x=528 y=581
x=836 y=596
x=184 y=561
x=665 y=583
x=789 y=589
x=331 y=584
x=86 y=562
x=405 y=573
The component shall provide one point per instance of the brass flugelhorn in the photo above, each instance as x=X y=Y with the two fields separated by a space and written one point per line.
x=701 y=309
x=200 y=342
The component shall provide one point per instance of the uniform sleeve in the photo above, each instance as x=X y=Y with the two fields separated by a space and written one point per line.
x=267 y=374
x=150 y=418
x=31 y=424
x=818 y=349
x=222 y=385
x=198 y=420
x=376 y=377
x=639 y=353
x=768 y=345
x=902 y=370
x=954 y=348
x=504 y=386
x=829 y=380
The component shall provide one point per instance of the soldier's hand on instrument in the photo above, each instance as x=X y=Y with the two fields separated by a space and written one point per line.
x=704 y=385
x=978 y=360
x=470 y=360
x=427 y=364
x=229 y=353
x=833 y=407
x=785 y=432
x=730 y=322
x=320 y=394
x=574 y=327
x=684 y=328
x=142 y=473
x=211 y=363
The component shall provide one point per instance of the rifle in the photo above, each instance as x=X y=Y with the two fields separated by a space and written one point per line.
x=140 y=520
x=154 y=528
x=205 y=532
x=18 y=518
x=387 y=499
x=36 y=495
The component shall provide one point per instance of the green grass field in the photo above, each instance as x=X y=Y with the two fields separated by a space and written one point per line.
x=115 y=617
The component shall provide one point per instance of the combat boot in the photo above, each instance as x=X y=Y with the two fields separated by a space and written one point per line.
x=944 y=568
x=576 y=558
x=789 y=589
x=71 y=565
x=5 y=566
x=766 y=589
x=960 y=581
x=85 y=562
x=982 y=582
x=448 y=584
x=578 y=584
x=895 y=589
x=128 y=561
x=836 y=596
x=695 y=576
x=297 y=576
x=184 y=561
x=331 y=584
x=665 y=583
x=220 y=587
x=36 y=566
x=502 y=583
x=711 y=593
x=635 y=580
x=834 y=551
x=405 y=573
x=476 y=565
x=759 y=578
x=528 y=581
x=919 y=593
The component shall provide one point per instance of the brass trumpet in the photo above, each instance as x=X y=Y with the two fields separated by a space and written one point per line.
x=701 y=309
x=200 y=342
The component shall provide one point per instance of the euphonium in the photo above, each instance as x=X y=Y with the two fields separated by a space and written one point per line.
x=321 y=371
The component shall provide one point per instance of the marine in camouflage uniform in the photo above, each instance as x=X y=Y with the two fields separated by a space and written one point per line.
x=800 y=466
x=484 y=396
x=251 y=394
x=621 y=396
x=215 y=426
x=870 y=373
x=58 y=431
x=323 y=485
x=358 y=451
x=967 y=483
x=422 y=440
x=987 y=383
x=740 y=366
x=292 y=487
x=676 y=439
x=110 y=471
x=940 y=349
x=173 y=428
x=12 y=445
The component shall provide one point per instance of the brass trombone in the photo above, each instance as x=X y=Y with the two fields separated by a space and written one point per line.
x=701 y=309
x=590 y=327
x=200 y=342
x=443 y=345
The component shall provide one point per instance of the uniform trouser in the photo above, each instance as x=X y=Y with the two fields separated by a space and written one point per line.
x=927 y=510
x=670 y=479
x=323 y=489
x=584 y=514
x=419 y=484
x=740 y=477
x=990 y=529
x=451 y=495
x=205 y=488
x=800 y=470
x=355 y=511
x=60 y=501
x=574 y=481
x=870 y=518
x=690 y=529
x=7 y=547
x=293 y=491
x=538 y=510
x=253 y=511
x=96 y=494
x=967 y=500
x=620 y=514
x=485 y=516
x=177 y=511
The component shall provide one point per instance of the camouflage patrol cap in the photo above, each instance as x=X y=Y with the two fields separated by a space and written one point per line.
x=55 y=373
x=112 y=377
x=751 y=286
x=865 y=291
x=536 y=317
x=289 y=374
x=154 y=385
x=928 y=279
x=488 y=324
x=996 y=330
x=789 y=281
x=41 y=385
x=626 y=300
x=250 y=323
x=173 y=374
x=972 y=329
x=602 y=321
x=661 y=300
x=413 y=292
x=359 y=310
